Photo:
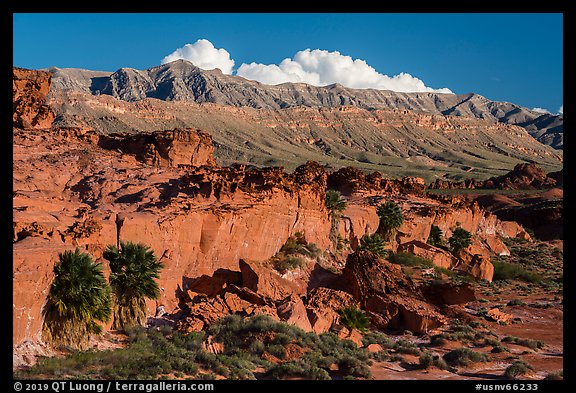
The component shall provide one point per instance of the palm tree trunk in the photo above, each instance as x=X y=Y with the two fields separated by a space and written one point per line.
x=128 y=312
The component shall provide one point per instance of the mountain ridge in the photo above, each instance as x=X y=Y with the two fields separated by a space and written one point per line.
x=182 y=81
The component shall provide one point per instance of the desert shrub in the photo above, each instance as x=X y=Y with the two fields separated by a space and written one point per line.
x=373 y=243
x=289 y=262
x=406 y=347
x=555 y=376
x=353 y=318
x=525 y=342
x=438 y=340
x=460 y=239
x=464 y=356
x=515 y=302
x=375 y=337
x=353 y=366
x=427 y=360
x=409 y=259
x=517 y=368
x=511 y=271
x=380 y=356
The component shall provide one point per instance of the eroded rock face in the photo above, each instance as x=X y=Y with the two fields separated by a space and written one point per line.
x=523 y=176
x=323 y=306
x=437 y=256
x=69 y=192
x=172 y=148
x=351 y=180
x=29 y=91
x=383 y=289
x=266 y=281
x=449 y=294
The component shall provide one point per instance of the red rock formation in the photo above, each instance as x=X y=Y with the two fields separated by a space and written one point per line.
x=29 y=91
x=383 y=289
x=524 y=176
x=449 y=294
x=170 y=148
x=266 y=281
x=351 y=180
x=323 y=306
x=437 y=256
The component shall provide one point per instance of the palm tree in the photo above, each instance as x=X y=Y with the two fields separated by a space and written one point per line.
x=391 y=218
x=436 y=237
x=459 y=240
x=336 y=204
x=133 y=269
x=373 y=243
x=354 y=318
x=79 y=298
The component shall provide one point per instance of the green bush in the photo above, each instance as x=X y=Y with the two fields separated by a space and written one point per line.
x=525 y=342
x=515 y=302
x=555 y=376
x=511 y=271
x=460 y=239
x=436 y=237
x=517 y=368
x=428 y=360
x=373 y=243
x=464 y=356
x=289 y=262
x=391 y=218
x=409 y=259
x=353 y=318
x=406 y=347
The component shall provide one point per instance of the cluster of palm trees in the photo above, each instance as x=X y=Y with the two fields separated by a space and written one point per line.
x=391 y=218
x=80 y=298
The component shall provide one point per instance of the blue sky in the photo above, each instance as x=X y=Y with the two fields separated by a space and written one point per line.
x=505 y=57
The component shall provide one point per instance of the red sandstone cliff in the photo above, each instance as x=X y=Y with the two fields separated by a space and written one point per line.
x=73 y=188
x=29 y=90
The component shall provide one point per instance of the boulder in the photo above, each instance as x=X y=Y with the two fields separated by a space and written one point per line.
x=235 y=304
x=208 y=285
x=449 y=293
x=247 y=295
x=401 y=313
x=368 y=275
x=384 y=290
x=481 y=268
x=293 y=311
x=437 y=256
x=496 y=315
x=212 y=346
x=323 y=306
x=353 y=335
x=496 y=245
x=266 y=281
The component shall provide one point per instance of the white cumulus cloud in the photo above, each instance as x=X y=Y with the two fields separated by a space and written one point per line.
x=316 y=67
x=320 y=68
x=540 y=110
x=204 y=55
x=561 y=110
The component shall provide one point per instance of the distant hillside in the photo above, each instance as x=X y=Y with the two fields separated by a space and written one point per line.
x=286 y=125
x=182 y=81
